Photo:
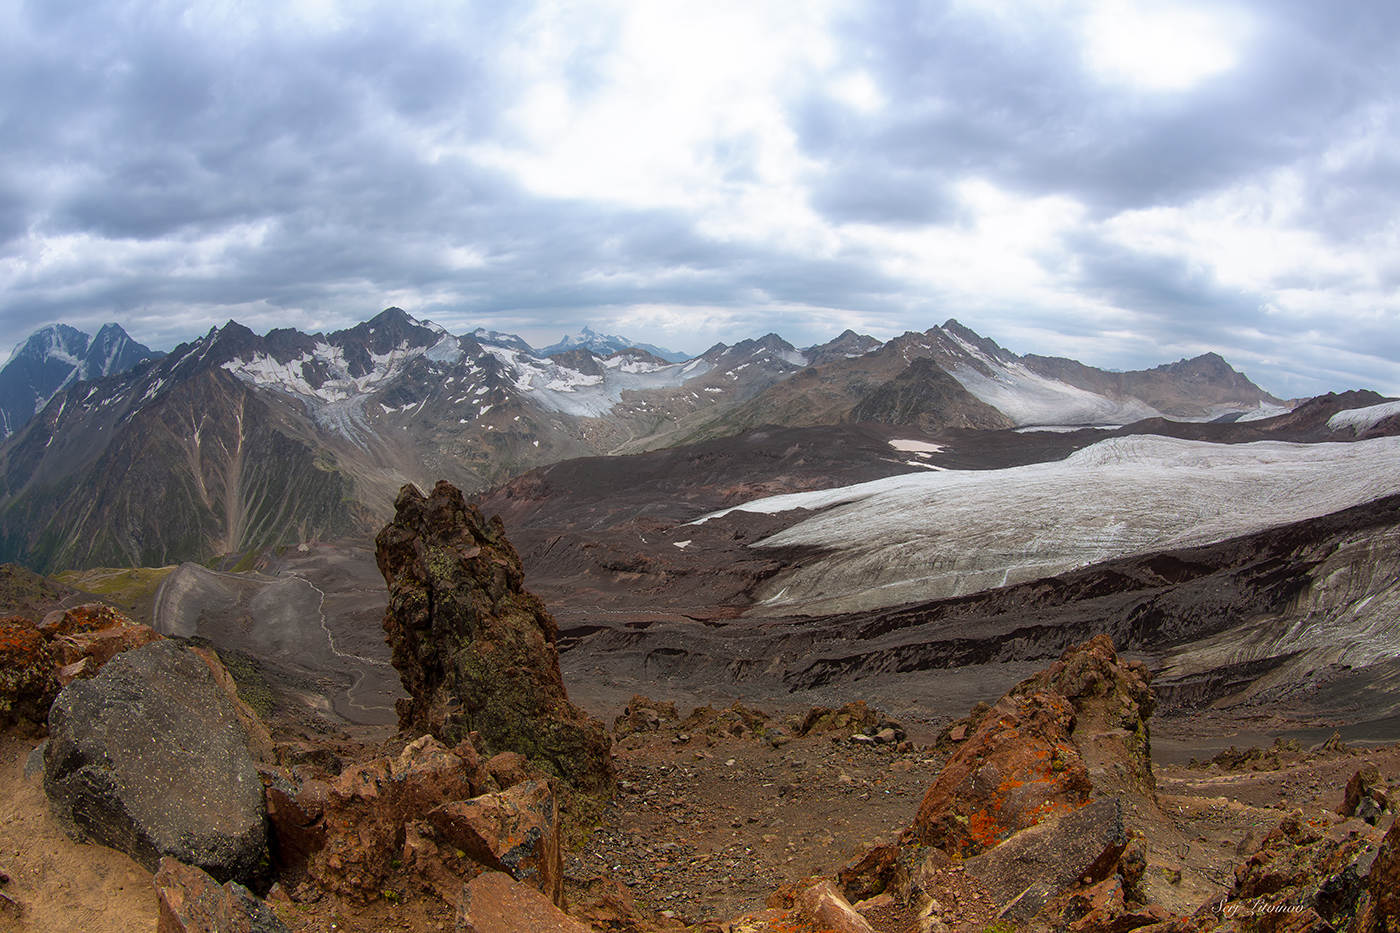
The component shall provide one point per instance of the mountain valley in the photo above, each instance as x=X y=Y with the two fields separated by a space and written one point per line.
x=727 y=545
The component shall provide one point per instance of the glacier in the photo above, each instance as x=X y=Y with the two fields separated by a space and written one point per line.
x=933 y=535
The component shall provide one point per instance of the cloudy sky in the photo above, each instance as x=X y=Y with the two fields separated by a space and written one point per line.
x=1127 y=182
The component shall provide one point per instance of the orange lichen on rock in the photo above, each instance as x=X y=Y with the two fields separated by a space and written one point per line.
x=1017 y=768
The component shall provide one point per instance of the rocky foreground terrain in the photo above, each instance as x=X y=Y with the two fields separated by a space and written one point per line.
x=205 y=800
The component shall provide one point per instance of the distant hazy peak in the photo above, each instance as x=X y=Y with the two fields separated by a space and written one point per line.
x=605 y=344
x=53 y=358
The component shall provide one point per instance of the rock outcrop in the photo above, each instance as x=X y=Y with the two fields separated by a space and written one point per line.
x=477 y=652
x=148 y=757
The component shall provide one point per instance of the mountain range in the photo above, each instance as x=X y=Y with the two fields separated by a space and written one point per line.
x=236 y=441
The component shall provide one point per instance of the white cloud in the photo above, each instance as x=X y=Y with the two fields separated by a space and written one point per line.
x=1160 y=46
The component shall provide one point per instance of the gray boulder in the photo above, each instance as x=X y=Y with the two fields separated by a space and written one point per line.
x=148 y=757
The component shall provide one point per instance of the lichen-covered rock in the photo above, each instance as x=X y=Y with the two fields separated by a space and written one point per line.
x=1367 y=795
x=644 y=714
x=1302 y=875
x=1379 y=908
x=149 y=758
x=1018 y=769
x=1112 y=701
x=82 y=620
x=1034 y=865
x=27 y=682
x=476 y=652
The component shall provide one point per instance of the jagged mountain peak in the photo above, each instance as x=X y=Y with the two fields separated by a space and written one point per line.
x=56 y=356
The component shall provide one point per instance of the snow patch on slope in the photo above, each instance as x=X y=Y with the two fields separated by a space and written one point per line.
x=934 y=535
x=1363 y=419
x=1029 y=398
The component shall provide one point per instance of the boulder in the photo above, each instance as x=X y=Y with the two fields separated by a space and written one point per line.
x=88 y=636
x=148 y=757
x=192 y=902
x=1076 y=730
x=27 y=682
x=1112 y=701
x=1303 y=876
x=475 y=651
x=824 y=907
x=515 y=831
x=1367 y=795
x=82 y=620
x=644 y=714
x=493 y=903
x=1026 y=871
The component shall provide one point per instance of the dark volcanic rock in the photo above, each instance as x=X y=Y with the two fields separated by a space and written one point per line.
x=475 y=651
x=148 y=758
x=1033 y=865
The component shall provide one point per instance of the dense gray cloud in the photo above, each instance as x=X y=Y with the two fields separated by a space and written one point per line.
x=1120 y=181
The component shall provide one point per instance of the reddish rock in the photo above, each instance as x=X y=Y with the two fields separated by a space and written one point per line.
x=87 y=637
x=1112 y=701
x=605 y=903
x=82 y=620
x=364 y=810
x=879 y=869
x=509 y=769
x=515 y=831
x=824 y=906
x=476 y=652
x=1298 y=880
x=1379 y=907
x=83 y=655
x=193 y=902
x=1105 y=908
x=1366 y=796
x=1026 y=871
x=27 y=682
x=1017 y=769
x=1076 y=729
x=493 y=903
x=644 y=714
